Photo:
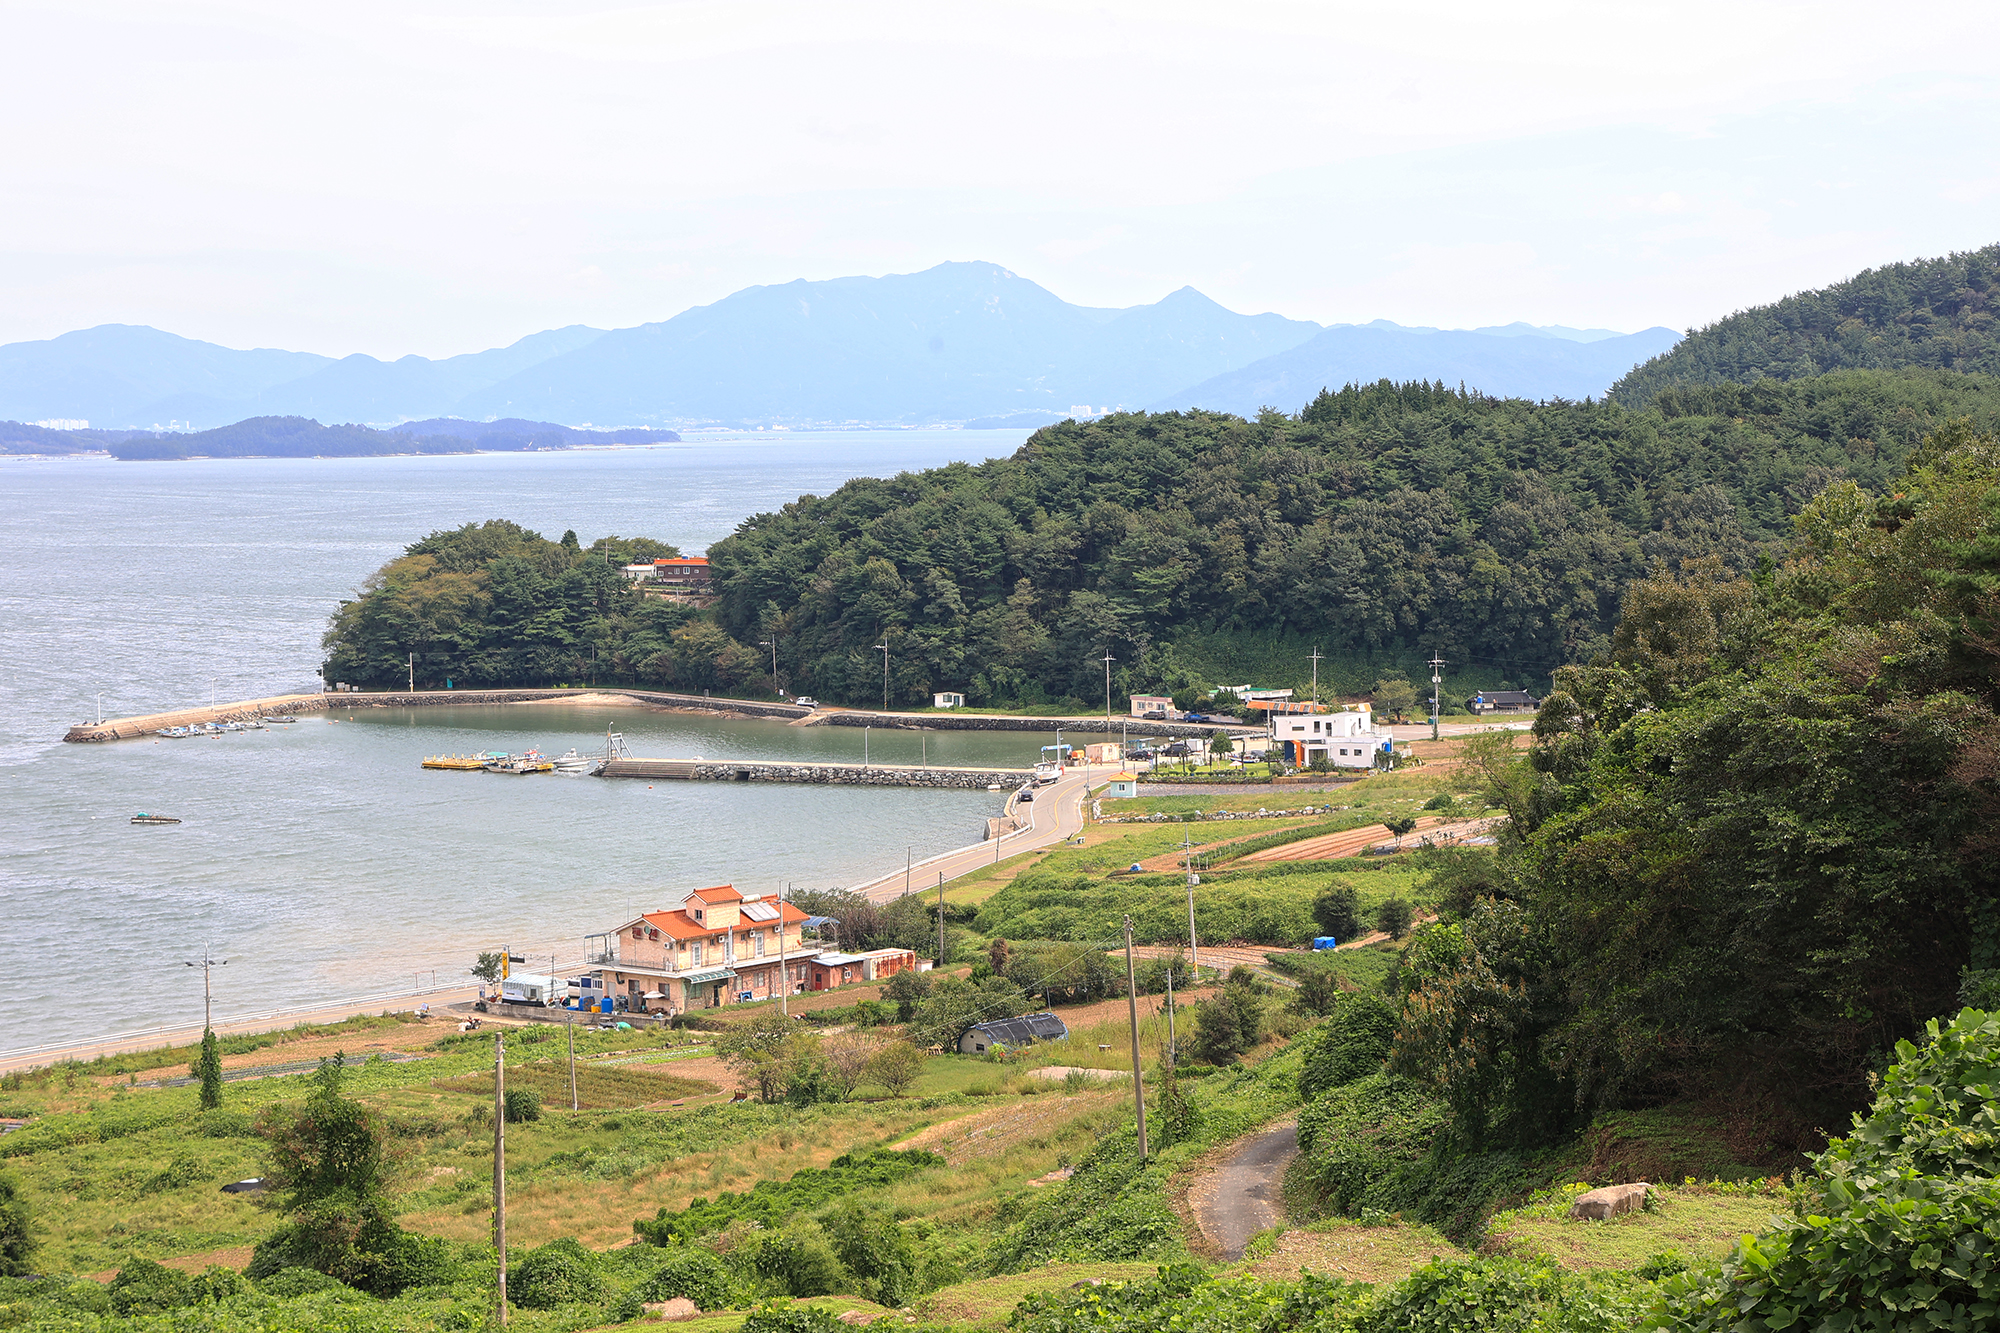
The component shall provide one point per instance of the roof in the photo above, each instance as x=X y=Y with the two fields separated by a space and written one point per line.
x=1507 y=697
x=682 y=560
x=1123 y=777
x=1286 y=706
x=720 y=893
x=1021 y=1031
x=839 y=959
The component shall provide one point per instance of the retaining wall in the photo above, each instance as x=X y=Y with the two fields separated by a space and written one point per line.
x=850 y=775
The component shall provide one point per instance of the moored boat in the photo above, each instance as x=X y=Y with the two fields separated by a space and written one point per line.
x=154 y=819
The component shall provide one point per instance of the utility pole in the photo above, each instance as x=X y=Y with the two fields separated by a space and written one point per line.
x=1132 y=1006
x=500 y=1165
x=909 y=858
x=413 y=673
x=772 y=644
x=864 y=747
x=1434 y=664
x=1108 y=660
x=1315 y=661
x=884 y=646
x=940 y=960
x=1187 y=863
x=784 y=972
x=569 y=1022
x=207 y=964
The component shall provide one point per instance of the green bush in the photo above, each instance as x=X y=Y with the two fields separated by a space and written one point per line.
x=17 y=1228
x=221 y=1124
x=1907 y=1227
x=216 y=1283
x=686 y=1271
x=143 y=1287
x=877 y=1251
x=561 y=1272
x=291 y=1283
x=1499 y=1295
x=798 y=1260
x=1231 y=1021
x=772 y=1201
x=772 y=1317
x=182 y=1169
x=1353 y=1044
x=1358 y=1136
x=523 y=1104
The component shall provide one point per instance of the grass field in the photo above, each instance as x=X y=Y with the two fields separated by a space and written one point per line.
x=1696 y=1222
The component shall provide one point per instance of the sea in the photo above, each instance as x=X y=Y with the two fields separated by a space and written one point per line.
x=319 y=863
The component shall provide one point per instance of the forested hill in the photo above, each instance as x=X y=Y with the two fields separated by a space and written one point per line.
x=1381 y=524
x=1936 y=313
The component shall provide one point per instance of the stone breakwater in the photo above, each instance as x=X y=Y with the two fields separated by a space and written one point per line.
x=848 y=775
x=242 y=710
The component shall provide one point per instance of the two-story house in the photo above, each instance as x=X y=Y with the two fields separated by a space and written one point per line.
x=717 y=947
x=1346 y=739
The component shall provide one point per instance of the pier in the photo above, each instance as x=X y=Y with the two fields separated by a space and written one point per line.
x=848 y=775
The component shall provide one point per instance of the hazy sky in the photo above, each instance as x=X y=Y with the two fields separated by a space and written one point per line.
x=435 y=177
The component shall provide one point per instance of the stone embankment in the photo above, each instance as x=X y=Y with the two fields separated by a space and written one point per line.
x=849 y=775
x=126 y=728
x=851 y=717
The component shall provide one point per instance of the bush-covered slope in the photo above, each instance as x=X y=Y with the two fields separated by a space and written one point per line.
x=1933 y=313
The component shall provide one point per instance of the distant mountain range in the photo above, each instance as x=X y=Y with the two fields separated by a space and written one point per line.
x=298 y=437
x=961 y=343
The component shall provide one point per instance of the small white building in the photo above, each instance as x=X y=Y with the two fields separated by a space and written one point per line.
x=1143 y=704
x=947 y=699
x=1347 y=739
x=1121 y=786
x=640 y=573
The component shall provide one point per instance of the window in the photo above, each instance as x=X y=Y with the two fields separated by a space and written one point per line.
x=760 y=943
x=652 y=932
x=638 y=932
x=695 y=948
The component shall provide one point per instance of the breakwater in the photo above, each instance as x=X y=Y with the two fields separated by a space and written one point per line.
x=846 y=775
x=854 y=717
x=127 y=728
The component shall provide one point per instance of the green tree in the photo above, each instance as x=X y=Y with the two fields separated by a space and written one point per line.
x=1338 y=912
x=907 y=990
x=207 y=1068
x=1393 y=917
x=1231 y=1022
x=487 y=966
x=896 y=1066
x=1394 y=697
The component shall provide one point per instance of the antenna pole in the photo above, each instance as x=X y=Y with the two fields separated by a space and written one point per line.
x=500 y=1165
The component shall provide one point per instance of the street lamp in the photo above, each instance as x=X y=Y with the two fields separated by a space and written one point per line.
x=772 y=644
x=207 y=964
x=884 y=648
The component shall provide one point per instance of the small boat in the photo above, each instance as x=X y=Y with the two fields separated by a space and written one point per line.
x=461 y=763
x=575 y=763
x=285 y=721
x=154 y=819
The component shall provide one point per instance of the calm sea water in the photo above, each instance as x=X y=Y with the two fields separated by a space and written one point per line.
x=320 y=859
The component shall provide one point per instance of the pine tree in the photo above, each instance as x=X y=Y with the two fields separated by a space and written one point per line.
x=208 y=1068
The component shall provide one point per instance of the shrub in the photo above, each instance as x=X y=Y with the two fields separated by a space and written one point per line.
x=1904 y=1233
x=182 y=1169
x=1318 y=993
x=799 y=1260
x=561 y=1272
x=216 y=1283
x=1393 y=918
x=1352 y=1045
x=896 y=1066
x=772 y=1317
x=226 y=1125
x=1230 y=1022
x=1338 y=912
x=290 y=1283
x=143 y=1287
x=772 y=1201
x=17 y=1229
x=523 y=1104
x=877 y=1251
x=1503 y=1294
x=687 y=1271
x=1358 y=1137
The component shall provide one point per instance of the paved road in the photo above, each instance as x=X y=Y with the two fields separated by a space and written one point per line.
x=1243 y=1193
x=1056 y=813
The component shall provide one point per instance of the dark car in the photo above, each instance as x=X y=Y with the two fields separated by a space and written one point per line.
x=1024 y=796
x=1196 y=717
x=1157 y=715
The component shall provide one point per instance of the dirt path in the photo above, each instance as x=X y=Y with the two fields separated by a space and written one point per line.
x=1241 y=1195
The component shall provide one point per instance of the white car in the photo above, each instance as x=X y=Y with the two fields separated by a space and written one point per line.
x=806 y=701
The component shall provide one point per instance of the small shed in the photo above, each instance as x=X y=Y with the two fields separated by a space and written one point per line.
x=1006 y=1034
x=1502 y=701
x=1122 y=786
x=947 y=699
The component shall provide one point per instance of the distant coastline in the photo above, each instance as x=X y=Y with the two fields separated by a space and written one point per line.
x=302 y=437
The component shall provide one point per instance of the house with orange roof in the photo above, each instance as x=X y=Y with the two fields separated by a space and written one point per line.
x=717 y=946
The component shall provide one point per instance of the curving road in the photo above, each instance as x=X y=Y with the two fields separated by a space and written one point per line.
x=1055 y=814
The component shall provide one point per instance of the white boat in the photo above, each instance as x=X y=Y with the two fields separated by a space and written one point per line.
x=575 y=763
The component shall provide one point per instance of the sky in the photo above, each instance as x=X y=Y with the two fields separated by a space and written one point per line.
x=434 y=177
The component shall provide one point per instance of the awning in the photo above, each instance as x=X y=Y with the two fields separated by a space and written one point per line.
x=713 y=974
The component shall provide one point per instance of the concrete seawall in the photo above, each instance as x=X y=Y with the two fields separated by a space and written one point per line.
x=126 y=728
x=847 y=775
x=848 y=717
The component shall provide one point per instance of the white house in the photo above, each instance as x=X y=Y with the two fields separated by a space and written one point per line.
x=1143 y=704
x=947 y=699
x=1347 y=739
x=640 y=573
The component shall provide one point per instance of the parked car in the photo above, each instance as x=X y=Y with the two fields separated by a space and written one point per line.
x=1025 y=795
x=1196 y=717
x=1157 y=715
x=806 y=701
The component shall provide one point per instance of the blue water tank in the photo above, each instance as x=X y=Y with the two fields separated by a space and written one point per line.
x=1325 y=942
x=604 y=1005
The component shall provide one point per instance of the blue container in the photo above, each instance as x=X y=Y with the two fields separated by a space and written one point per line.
x=1325 y=942
x=604 y=1005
